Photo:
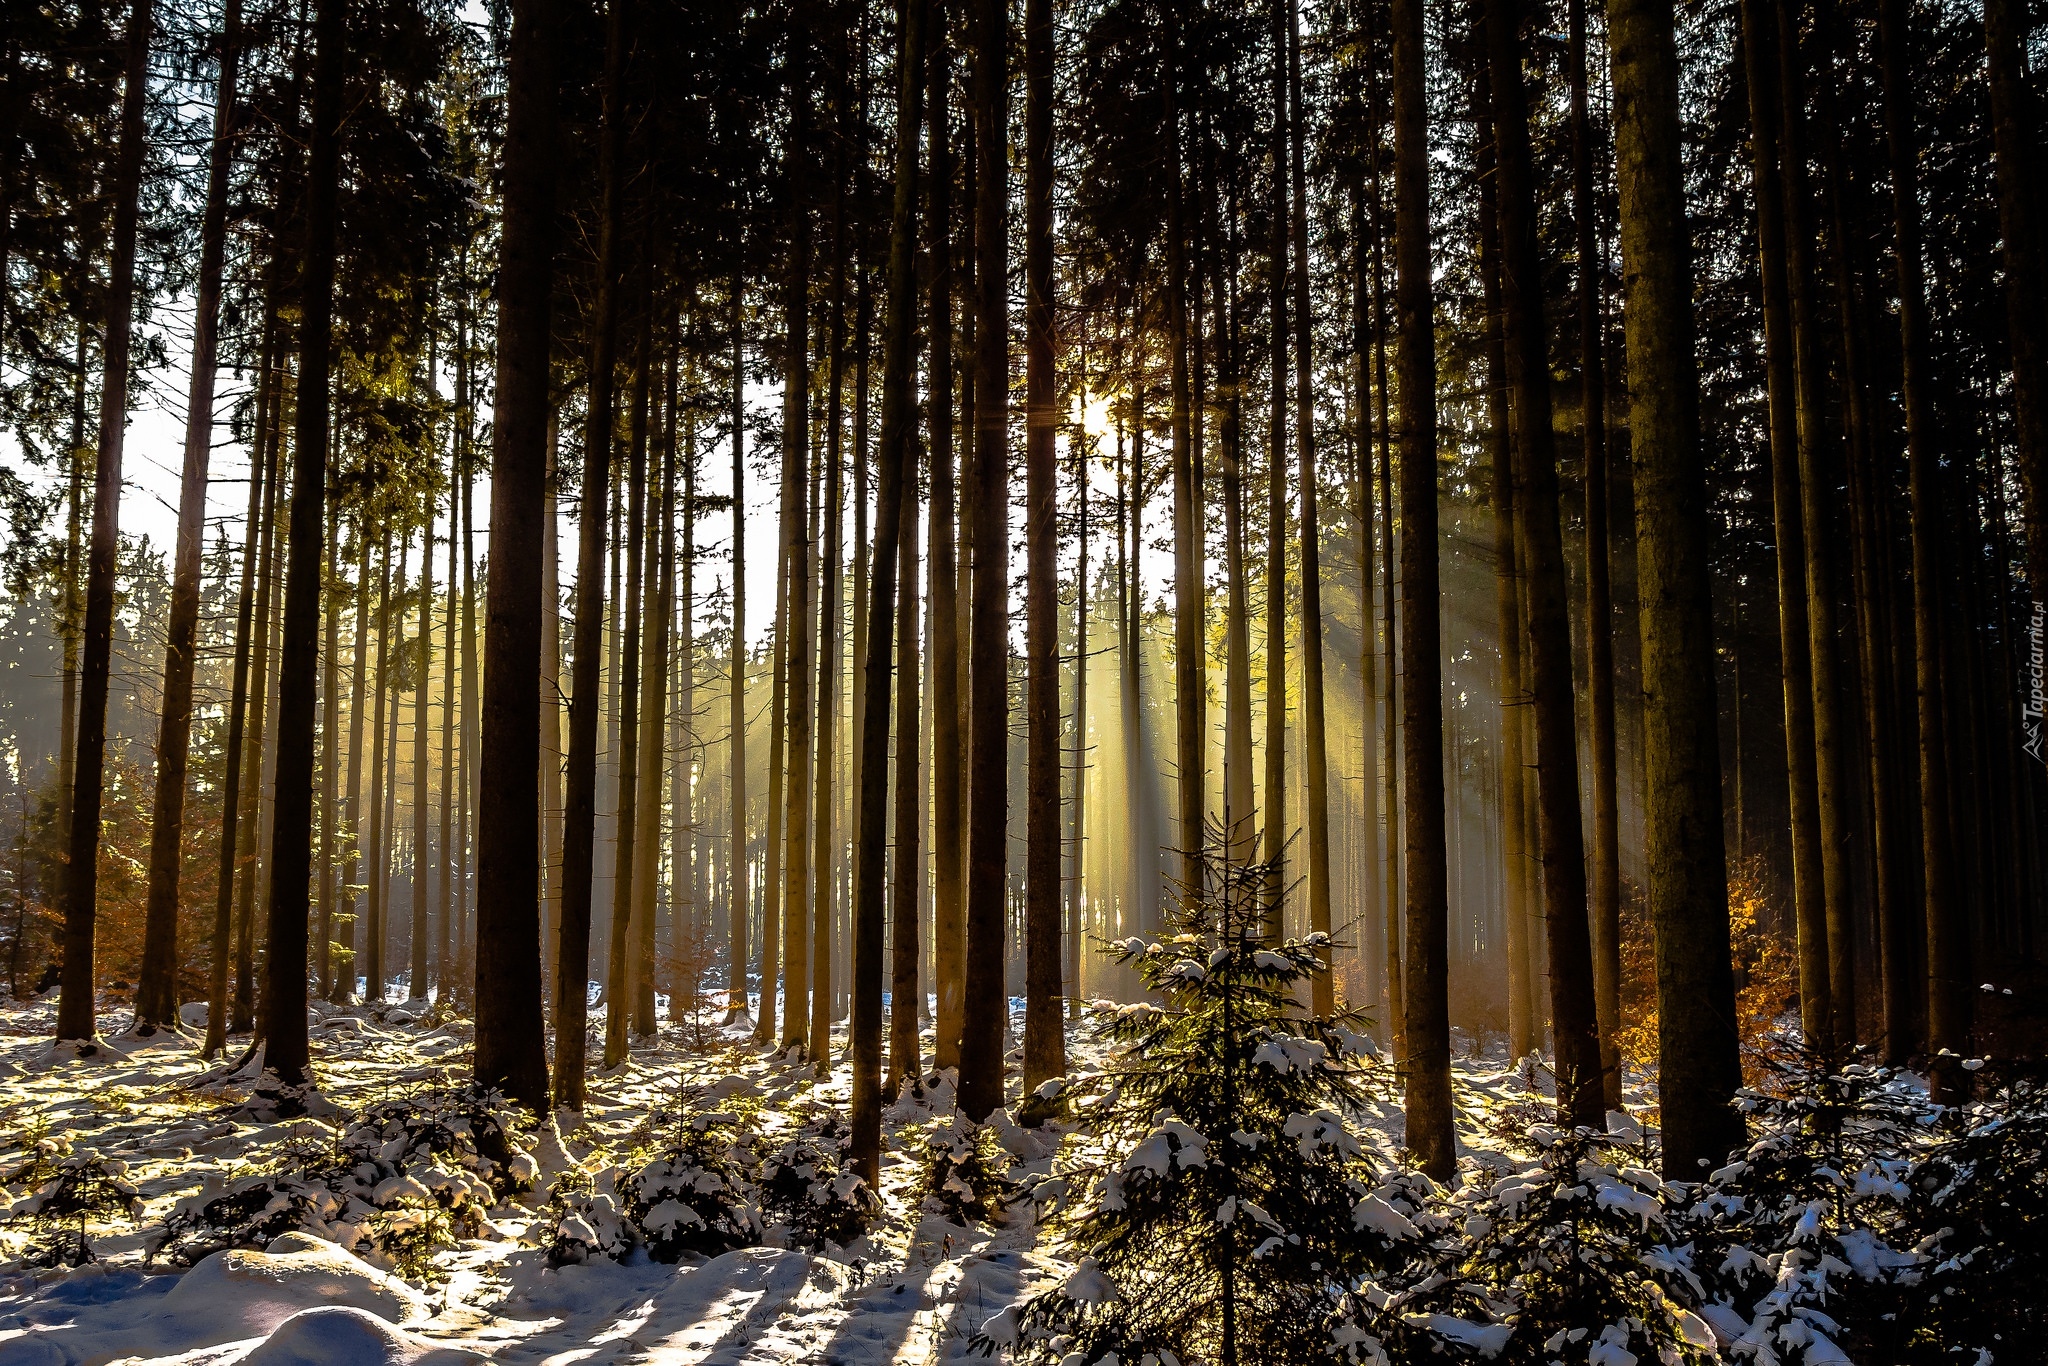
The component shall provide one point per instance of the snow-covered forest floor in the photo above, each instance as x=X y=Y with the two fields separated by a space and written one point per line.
x=408 y=1222
x=914 y=1289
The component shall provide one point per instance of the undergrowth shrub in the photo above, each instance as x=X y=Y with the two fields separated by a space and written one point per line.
x=66 y=1192
x=806 y=1186
x=1221 y=1198
x=1976 y=1205
x=691 y=1196
x=1794 y=1240
x=963 y=1172
x=1566 y=1260
x=399 y=1184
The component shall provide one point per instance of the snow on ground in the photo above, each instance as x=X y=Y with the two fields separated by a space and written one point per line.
x=915 y=1290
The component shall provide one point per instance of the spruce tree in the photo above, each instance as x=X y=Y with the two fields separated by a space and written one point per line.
x=1221 y=1197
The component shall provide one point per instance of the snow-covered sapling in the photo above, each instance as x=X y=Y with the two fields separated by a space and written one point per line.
x=1565 y=1261
x=67 y=1192
x=1213 y=1206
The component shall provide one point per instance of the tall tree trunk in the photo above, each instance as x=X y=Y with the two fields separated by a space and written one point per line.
x=444 y=975
x=796 y=457
x=579 y=810
x=1809 y=897
x=1314 y=748
x=242 y=1016
x=1948 y=1003
x=1524 y=1016
x=156 y=992
x=618 y=990
x=550 y=709
x=1817 y=457
x=1688 y=891
x=81 y=891
x=1189 y=583
x=511 y=1045
x=1077 y=865
x=383 y=774
x=736 y=864
x=330 y=744
x=358 y=685
x=981 y=1050
x=778 y=718
x=825 y=841
x=894 y=462
x=1560 y=833
x=69 y=623
x=1396 y=1002
x=421 y=863
x=1371 y=897
x=1045 y=1050
x=1239 y=819
x=1273 y=799
x=1427 y=1055
x=949 y=929
x=238 y=711
x=2014 y=136
x=1900 y=933
x=690 y=918
x=1605 y=855
x=904 y=992
x=471 y=841
x=653 y=724
x=284 y=997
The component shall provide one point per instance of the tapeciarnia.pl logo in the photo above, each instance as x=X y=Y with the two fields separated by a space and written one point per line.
x=2037 y=683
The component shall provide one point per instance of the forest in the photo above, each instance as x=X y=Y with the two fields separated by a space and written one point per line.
x=1087 y=682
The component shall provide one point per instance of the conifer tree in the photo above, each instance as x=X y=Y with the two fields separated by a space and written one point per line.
x=1221 y=1194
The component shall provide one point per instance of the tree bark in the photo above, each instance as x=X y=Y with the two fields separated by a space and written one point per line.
x=1818 y=455
x=736 y=867
x=1560 y=833
x=579 y=809
x=796 y=458
x=653 y=727
x=1524 y=1018
x=421 y=864
x=1688 y=889
x=156 y=992
x=1273 y=797
x=511 y=1051
x=444 y=974
x=2013 y=140
x=1809 y=897
x=1045 y=1053
x=242 y=1015
x=383 y=766
x=949 y=928
x=908 y=861
x=330 y=745
x=619 y=985
x=1188 y=534
x=1605 y=855
x=238 y=712
x=894 y=461
x=1427 y=1059
x=284 y=1023
x=825 y=842
x=1901 y=933
x=81 y=892
x=1314 y=747
x=987 y=1011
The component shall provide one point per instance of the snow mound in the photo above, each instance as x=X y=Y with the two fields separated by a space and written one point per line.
x=345 y=1336
x=298 y=1271
x=232 y=1296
